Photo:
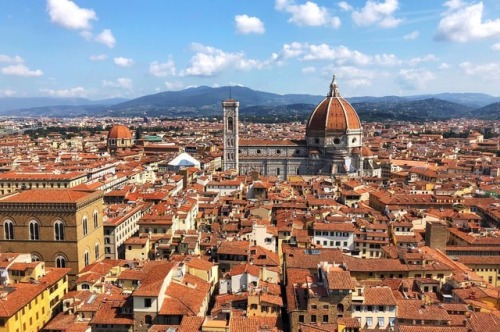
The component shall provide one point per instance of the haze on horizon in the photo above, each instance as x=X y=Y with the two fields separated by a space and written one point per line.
x=104 y=49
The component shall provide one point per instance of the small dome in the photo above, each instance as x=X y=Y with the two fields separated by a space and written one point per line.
x=119 y=132
x=366 y=152
x=332 y=115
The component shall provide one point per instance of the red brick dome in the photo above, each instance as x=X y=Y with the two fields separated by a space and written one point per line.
x=119 y=132
x=332 y=115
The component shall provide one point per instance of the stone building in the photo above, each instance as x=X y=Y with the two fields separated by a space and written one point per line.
x=332 y=144
x=61 y=227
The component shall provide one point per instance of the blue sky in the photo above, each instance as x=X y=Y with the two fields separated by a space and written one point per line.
x=101 y=49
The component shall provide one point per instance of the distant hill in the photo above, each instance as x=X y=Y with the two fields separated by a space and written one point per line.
x=257 y=105
x=208 y=99
x=17 y=103
x=491 y=111
x=473 y=100
x=411 y=110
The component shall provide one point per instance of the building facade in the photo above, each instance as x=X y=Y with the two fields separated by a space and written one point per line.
x=61 y=227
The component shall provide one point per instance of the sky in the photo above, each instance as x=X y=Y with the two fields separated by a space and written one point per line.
x=100 y=49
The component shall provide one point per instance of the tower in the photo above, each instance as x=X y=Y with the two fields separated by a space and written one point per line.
x=231 y=139
x=436 y=234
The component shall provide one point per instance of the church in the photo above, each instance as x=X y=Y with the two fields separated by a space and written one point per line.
x=333 y=144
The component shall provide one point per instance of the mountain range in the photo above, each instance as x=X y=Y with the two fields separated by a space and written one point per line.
x=257 y=105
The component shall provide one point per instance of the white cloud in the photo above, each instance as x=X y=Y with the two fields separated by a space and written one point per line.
x=7 y=92
x=174 y=86
x=313 y=52
x=377 y=13
x=444 y=66
x=106 y=37
x=309 y=70
x=352 y=76
x=386 y=60
x=486 y=72
x=412 y=35
x=248 y=24
x=463 y=22
x=414 y=79
x=345 y=6
x=21 y=70
x=11 y=59
x=123 y=62
x=162 y=69
x=98 y=57
x=67 y=14
x=418 y=60
x=495 y=47
x=292 y=50
x=341 y=55
x=86 y=34
x=122 y=83
x=74 y=92
x=209 y=61
x=308 y=14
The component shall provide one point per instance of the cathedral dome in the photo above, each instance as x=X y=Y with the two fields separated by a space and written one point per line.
x=333 y=116
x=119 y=132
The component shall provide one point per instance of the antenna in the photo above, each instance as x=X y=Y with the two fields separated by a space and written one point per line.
x=230 y=97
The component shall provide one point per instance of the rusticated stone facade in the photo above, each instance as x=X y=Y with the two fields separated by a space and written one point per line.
x=60 y=227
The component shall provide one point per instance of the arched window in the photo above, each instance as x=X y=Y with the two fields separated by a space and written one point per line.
x=96 y=250
x=96 y=220
x=85 y=226
x=60 y=261
x=86 y=258
x=85 y=286
x=34 y=229
x=8 y=228
x=59 y=231
x=230 y=124
x=35 y=258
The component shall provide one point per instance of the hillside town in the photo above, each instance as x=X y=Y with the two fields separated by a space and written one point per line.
x=149 y=224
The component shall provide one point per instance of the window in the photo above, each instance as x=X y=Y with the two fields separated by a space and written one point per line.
x=96 y=220
x=86 y=258
x=96 y=250
x=34 y=228
x=85 y=226
x=313 y=318
x=147 y=303
x=314 y=307
x=60 y=262
x=380 y=308
x=58 y=231
x=381 y=322
x=35 y=258
x=8 y=228
x=391 y=321
x=369 y=321
x=148 y=319
x=325 y=318
x=301 y=318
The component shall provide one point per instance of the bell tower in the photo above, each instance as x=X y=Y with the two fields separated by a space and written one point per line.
x=231 y=139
